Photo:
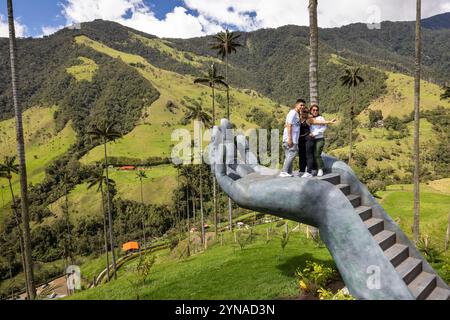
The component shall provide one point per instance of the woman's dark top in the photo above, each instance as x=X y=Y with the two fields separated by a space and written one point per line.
x=304 y=129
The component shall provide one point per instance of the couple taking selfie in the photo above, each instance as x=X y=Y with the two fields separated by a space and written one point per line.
x=304 y=135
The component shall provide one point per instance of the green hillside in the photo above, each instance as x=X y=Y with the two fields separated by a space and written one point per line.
x=152 y=136
x=42 y=142
x=399 y=100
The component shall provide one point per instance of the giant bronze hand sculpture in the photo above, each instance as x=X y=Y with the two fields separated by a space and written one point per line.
x=366 y=271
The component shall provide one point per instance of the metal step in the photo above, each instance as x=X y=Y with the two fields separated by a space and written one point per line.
x=354 y=199
x=333 y=178
x=423 y=285
x=374 y=225
x=345 y=188
x=364 y=212
x=439 y=294
x=409 y=269
x=397 y=254
x=385 y=239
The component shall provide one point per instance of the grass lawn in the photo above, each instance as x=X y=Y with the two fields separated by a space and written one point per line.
x=397 y=200
x=260 y=271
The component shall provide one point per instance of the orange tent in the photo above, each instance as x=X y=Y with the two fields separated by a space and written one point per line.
x=130 y=246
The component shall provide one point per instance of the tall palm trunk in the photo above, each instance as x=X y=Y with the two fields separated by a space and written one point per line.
x=105 y=230
x=143 y=215
x=19 y=232
x=110 y=220
x=314 y=53
x=352 y=116
x=447 y=235
x=417 y=76
x=21 y=155
x=188 y=222
x=216 y=220
x=202 y=221
x=230 y=204
x=213 y=105
x=313 y=64
x=228 y=89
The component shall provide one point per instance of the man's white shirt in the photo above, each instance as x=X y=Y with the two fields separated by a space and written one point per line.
x=292 y=118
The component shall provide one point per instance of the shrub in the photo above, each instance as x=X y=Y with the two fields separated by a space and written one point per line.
x=445 y=272
x=314 y=277
x=326 y=294
x=244 y=238
x=428 y=249
x=374 y=117
x=376 y=185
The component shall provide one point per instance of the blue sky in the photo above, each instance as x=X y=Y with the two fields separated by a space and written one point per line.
x=189 y=18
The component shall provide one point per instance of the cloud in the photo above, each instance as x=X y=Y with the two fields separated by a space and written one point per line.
x=48 y=30
x=136 y=14
x=201 y=17
x=254 y=14
x=21 y=30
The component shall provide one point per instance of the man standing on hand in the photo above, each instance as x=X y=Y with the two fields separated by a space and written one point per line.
x=291 y=137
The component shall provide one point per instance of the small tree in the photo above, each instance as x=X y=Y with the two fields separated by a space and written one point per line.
x=374 y=117
x=141 y=272
x=285 y=238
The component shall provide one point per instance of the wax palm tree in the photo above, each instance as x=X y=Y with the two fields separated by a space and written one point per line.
x=226 y=43
x=213 y=80
x=446 y=94
x=7 y=169
x=417 y=76
x=314 y=53
x=21 y=154
x=105 y=133
x=141 y=176
x=196 y=113
x=99 y=180
x=351 y=79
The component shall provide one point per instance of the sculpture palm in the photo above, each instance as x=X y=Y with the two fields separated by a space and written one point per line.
x=310 y=201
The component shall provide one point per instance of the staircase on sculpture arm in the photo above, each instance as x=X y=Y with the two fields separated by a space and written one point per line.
x=421 y=279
